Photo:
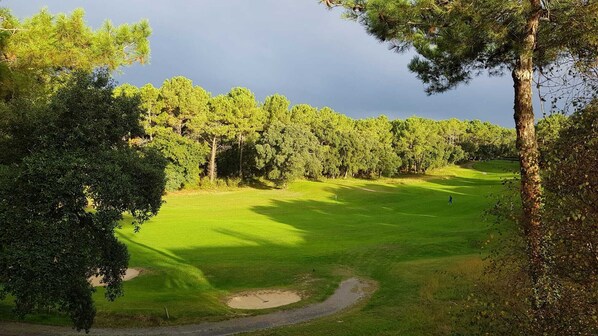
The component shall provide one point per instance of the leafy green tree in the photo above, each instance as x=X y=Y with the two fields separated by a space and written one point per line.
x=548 y=129
x=379 y=157
x=337 y=138
x=344 y=154
x=219 y=126
x=452 y=130
x=151 y=105
x=276 y=108
x=304 y=114
x=287 y=152
x=248 y=119
x=37 y=52
x=126 y=90
x=185 y=157
x=455 y=40
x=571 y=182
x=185 y=105
x=484 y=141
x=571 y=217
x=173 y=117
x=415 y=140
x=63 y=192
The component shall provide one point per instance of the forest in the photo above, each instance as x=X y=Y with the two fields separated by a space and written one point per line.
x=233 y=136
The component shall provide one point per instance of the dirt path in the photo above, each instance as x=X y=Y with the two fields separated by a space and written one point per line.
x=348 y=293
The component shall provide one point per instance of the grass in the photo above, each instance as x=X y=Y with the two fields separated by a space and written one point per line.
x=402 y=233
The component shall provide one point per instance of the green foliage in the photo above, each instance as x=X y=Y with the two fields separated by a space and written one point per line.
x=548 y=129
x=337 y=138
x=418 y=142
x=182 y=121
x=456 y=40
x=503 y=303
x=231 y=125
x=173 y=118
x=63 y=192
x=40 y=50
x=424 y=144
x=152 y=107
x=287 y=152
x=484 y=141
x=276 y=108
x=185 y=158
x=304 y=114
x=378 y=156
x=184 y=106
x=248 y=119
x=68 y=171
x=571 y=181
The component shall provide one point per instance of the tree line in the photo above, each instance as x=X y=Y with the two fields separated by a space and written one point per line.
x=233 y=135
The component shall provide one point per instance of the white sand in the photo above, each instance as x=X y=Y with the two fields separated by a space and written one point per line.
x=130 y=274
x=263 y=299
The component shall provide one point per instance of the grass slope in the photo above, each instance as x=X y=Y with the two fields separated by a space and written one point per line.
x=401 y=233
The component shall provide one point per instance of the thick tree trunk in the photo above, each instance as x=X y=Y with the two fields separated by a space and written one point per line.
x=531 y=188
x=212 y=166
x=531 y=193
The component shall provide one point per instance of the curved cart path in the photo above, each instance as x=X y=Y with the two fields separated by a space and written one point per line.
x=348 y=293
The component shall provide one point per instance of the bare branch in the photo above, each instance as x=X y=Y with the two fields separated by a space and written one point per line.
x=338 y=3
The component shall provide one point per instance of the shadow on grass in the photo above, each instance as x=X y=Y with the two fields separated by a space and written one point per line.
x=257 y=184
x=363 y=228
x=497 y=166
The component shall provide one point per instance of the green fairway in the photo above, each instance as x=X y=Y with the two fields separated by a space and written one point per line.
x=401 y=233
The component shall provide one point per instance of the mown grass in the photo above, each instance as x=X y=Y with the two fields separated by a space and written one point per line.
x=423 y=253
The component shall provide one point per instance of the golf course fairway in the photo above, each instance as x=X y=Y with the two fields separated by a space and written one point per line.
x=422 y=252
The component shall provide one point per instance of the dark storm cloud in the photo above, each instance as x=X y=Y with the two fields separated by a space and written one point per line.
x=294 y=47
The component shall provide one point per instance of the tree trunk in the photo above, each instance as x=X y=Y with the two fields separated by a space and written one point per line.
x=179 y=128
x=212 y=166
x=241 y=156
x=531 y=189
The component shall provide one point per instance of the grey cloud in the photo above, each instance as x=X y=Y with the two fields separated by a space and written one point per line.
x=295 y=47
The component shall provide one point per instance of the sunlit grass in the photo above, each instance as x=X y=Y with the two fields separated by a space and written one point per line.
x=402 y=233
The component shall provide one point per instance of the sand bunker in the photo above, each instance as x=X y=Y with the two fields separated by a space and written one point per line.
x=348 y=293
x=130 y=274
x=262 y=299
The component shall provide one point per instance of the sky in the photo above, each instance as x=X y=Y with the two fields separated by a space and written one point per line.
x=296 y=48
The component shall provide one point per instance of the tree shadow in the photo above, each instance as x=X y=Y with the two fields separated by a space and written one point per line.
x=357 y=225
x=256 y=183
x=373 y=229
x=496 y=166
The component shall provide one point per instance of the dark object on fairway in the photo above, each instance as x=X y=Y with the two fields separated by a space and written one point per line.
x=450 y=199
